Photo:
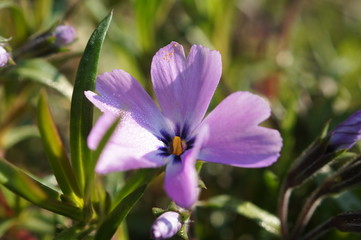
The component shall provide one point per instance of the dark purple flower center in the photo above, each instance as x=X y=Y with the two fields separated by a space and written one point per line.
x=176 y=144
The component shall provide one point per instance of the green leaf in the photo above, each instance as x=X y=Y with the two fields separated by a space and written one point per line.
x=55 y=152
x=74 y=232
x=183 y=232
x=158 y=211
x=18 y=25
x=36 y=221
x=4 y=40
x=148 y=15
x=139 y=179
x=117 y=215
x=43 y=72
x=34 y=191
x=16 y=134
x=5 y=225
x=81 y=114
x=42 y=10
x=263 y=218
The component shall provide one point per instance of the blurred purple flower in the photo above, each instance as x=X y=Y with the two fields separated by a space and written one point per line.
x=176 y=136
x=4 y=56
x=64 y=35
x=346 y=134
x=166 y=225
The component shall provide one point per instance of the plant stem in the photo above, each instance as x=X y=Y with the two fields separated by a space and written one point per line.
x=283 y=209
x=192 y=227
x=305 y=215
x=318 y=231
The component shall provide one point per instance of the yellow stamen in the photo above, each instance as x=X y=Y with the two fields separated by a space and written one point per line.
x=178 y=146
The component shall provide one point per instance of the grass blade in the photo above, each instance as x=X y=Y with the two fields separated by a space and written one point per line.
x=81 y=114
x=42 y=71
x=140 y=178
x=54 y=149
x=117 y=215
x=34 y=191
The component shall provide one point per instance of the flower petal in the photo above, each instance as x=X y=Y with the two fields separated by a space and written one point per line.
x=184 y=87
x=119 y=93
x=181 y=179
x=131 y=146
x=99 y=129
x=234 y=137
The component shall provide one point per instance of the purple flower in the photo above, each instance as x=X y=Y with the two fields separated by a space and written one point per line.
x=64 y=35
x=176 y=136
x=166 y=225
x=346 y=134
x=4 y=56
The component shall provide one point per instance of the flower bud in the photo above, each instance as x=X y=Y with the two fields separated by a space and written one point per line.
x=346 y=134
x=4 y=56
x=325 y=149
x=166 y=225
x=344 y=222
x=347 y=222
x=64 y=35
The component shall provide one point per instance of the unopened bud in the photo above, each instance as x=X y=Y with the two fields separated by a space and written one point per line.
x=325 y=149
x=346 y=134
x=64 y=35
x=4 y=56
x=166 y=225
x=347 y=222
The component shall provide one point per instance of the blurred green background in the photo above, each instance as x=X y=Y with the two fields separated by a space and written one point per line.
x=304 y=57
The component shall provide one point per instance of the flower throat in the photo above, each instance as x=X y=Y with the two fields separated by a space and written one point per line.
x=178 y=146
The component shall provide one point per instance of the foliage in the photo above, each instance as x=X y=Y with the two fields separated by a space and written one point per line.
x=302 y=56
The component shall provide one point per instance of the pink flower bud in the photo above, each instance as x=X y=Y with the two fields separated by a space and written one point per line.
x=166 y=225
x=4 y=56
x=64 y=35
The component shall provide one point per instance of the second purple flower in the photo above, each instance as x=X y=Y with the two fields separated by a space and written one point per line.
x=177 y=135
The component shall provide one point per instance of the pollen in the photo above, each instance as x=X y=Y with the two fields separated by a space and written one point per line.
x=178 y=146
x=168 y=56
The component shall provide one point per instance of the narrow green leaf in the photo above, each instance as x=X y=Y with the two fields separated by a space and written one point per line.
x=75 y=232
x=139 y=179
x=111 y=223
x=148 y=15
x=42 y=10
x=81 y=114
x=34 y=191
x=18 y=24
x=54 y=149
x=5 y=225
x=16 y=134
x=41 y=71
x=4 y=40
x=263 y=218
